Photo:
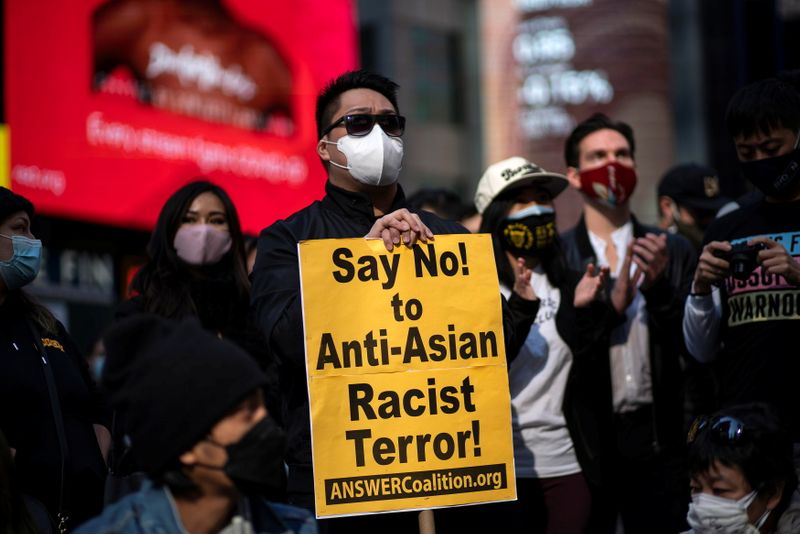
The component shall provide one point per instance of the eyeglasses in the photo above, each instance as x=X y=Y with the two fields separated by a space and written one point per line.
x=360 y=125
x=724 y=429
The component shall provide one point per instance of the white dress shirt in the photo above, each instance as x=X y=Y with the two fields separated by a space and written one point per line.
x=629 y=353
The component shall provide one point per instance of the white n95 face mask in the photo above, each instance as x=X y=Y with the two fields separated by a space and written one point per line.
x=709 y=514
x=372 y=159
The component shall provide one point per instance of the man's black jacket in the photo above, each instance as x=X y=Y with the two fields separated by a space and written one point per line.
x=664 y=302
x=275 y=297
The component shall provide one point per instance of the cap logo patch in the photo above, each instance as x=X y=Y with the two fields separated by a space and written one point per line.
x=711 y=186
x=528 y=168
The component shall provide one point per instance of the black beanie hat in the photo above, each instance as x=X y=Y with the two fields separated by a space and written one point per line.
x=173 y=381
x=11 y=203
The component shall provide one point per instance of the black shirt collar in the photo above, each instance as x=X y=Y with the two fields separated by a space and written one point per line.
x=355 y=204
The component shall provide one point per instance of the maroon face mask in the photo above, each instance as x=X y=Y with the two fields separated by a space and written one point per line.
x=612 y=183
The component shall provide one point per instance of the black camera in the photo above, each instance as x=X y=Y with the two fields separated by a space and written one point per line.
x=742 y=257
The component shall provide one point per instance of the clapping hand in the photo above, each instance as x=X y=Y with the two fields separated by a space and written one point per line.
x=590 y=286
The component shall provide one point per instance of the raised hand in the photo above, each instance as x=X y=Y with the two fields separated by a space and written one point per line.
x=625 y=287
x=651 y=256
x=590 y=286
x=522 y=280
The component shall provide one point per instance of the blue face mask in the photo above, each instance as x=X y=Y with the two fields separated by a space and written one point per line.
x=97 y=367
x=532 y=210
x=23 y=266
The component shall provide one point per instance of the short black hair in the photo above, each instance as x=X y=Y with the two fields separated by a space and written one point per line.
x=443 y=202
x=11 y=203
x=598 y=121
x=328 y=99
x=763 y=453
x=765 y=105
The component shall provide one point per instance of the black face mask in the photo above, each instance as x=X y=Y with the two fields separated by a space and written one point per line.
x=529 y=232
x=776 y=176
x=255 y=462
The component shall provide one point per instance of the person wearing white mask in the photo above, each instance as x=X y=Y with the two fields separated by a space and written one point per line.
x=360 y=133
x=196 y=268
x=51 y=414
x=742 y=475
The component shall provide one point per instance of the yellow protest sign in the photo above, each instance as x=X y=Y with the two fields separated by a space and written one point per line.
x=407 y=376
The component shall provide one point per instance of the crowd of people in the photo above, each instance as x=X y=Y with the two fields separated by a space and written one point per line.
x=651 y=374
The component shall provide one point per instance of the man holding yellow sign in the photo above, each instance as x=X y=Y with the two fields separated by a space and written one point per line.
x=360 y=144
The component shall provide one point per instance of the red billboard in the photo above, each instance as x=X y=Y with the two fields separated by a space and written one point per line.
x=114 y=104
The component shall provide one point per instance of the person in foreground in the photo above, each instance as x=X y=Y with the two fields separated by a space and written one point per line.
x=198 y=422
x=742 y=477
x=360 y=145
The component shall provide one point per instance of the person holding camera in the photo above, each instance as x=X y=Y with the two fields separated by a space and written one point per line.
x=744 y=308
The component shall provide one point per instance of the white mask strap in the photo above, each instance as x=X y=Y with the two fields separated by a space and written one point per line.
x=345 y=167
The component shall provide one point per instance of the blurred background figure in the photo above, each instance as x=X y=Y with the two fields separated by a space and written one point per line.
x=447 y=205
x=250 y=249
x=689 y=198
x=52 y=414
x=742 y=476
x=196 y=267
x=471 y=221
x=96 y=360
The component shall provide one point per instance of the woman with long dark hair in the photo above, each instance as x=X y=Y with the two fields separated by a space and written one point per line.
x=196 y=262
x=197 y=267
x=559 y=380
x=50 y=411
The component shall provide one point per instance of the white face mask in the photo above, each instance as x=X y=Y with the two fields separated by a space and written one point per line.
x=372 y=159
x=709 y=514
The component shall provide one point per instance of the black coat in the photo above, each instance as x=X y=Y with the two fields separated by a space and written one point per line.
x=588 y=402
x=26 y=416
x=221 y=312
x=664 y=302
x=275 y=296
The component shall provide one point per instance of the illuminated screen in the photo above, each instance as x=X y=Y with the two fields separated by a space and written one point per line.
x=113 y=105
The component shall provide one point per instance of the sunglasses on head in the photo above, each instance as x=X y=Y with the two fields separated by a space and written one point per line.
x=724 y=429
x=362 y=124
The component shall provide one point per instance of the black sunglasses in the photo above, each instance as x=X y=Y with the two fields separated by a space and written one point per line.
x=724 y=429
x=360 y=125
